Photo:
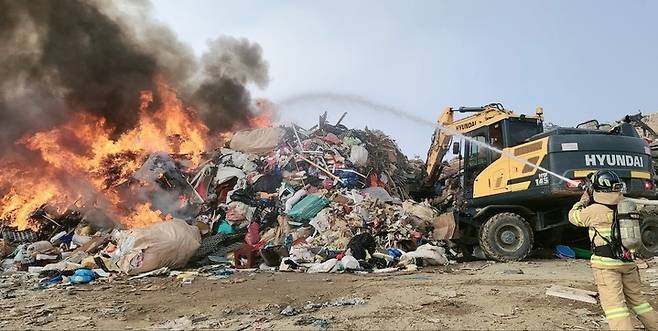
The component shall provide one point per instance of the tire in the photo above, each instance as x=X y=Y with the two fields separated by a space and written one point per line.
x=649 y=231
x=506 y=237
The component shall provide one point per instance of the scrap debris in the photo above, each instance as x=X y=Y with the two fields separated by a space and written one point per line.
x=325 y=199
x=645 y=125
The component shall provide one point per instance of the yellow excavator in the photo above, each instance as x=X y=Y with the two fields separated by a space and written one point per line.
x=508 y=202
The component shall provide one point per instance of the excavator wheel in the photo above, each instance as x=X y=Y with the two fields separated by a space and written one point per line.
x=649 y=231
x=506 y=237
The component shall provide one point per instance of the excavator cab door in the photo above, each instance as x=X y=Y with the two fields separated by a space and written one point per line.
x=478 y=157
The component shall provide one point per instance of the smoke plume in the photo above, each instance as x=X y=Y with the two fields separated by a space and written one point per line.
x=228 y=66
x=67 y=56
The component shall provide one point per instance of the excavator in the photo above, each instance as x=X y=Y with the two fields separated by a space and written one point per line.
x=509 y=200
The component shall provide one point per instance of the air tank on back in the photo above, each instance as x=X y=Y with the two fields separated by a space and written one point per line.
x=629 y=224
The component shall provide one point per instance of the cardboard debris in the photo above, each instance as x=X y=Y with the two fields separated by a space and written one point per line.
x=572 y=293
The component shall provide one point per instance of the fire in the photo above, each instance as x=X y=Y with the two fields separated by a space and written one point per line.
x=170 y=129
x=22 y=197
x=143 y=215
x=261 y=120
x=265 y=116
x=81 y=160
x=82 y=154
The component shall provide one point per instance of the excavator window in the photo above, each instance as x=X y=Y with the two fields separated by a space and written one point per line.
x=518 y=130
x=477 y=154
x=477 y=159
x=496 y=138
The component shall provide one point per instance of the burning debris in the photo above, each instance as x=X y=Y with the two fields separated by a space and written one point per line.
x=118 y=140
x=97 y=169
x=280 y=194
x=65 y=58
x=90 y=91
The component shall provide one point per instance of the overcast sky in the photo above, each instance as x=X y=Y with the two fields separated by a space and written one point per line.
x=577 y=59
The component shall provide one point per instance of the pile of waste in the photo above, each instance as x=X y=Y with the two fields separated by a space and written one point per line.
x=324 y=199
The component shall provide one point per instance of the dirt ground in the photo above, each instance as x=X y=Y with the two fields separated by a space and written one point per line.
x=474 y=295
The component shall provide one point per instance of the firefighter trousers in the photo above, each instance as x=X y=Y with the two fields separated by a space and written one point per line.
x=621 y=298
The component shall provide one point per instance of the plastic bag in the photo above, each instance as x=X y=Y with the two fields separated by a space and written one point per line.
x=238 y=211
x=272 y=255
x=267 y=183
x=361 y=245
x=321 y=221
x=350 y=141
x=82 y=276
x=256 y=141
x=349 y=262
x=349 y=179
x=359 y=156
x=224 y=174
x=41 y=247
x=422 y=210
x=431 y=255
x=164 y=244
x=294 y=199
x=225 y=228
x=332 y=138
x=301 y=254
x=323 y=267
x=308 y=207
x=377 y=193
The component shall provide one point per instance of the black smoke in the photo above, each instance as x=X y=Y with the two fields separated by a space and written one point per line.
x=227 y=67
x=60 y=57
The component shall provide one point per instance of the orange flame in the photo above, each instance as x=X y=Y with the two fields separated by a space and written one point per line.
x=22 y=197
x=143 y=215
x=265 y=116
x=82 y=160
x=83 y=149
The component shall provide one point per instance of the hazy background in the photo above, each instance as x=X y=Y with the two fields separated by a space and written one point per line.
x=577 y=59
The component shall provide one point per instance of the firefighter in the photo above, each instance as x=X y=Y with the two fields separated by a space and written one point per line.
x=616 y=276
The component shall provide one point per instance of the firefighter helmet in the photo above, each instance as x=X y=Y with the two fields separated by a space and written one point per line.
x=607 y=181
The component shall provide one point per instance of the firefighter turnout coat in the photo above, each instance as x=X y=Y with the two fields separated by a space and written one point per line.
x=618 y=281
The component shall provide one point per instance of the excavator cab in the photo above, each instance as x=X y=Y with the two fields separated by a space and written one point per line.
x=507 y=132
x=490 y=125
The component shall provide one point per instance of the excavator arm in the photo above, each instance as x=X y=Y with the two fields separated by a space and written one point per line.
x=637 y=121
x=447 y=127
x=439 y=145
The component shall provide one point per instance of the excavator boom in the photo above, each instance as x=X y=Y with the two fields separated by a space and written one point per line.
x=447 y=127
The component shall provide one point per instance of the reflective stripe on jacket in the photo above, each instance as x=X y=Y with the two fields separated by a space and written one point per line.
x=599 y=219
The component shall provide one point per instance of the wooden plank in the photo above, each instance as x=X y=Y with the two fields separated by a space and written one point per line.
x=575 y=290
x=572 y=293
x=572 y=296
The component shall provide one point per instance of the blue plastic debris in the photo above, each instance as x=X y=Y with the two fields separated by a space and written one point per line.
x=82 y=276
x=394 y=252
x=564 y=252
